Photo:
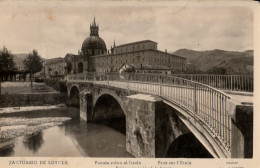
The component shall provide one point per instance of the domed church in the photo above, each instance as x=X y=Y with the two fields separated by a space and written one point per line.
x=91 y=46
x=94 y=45
x=142 y=55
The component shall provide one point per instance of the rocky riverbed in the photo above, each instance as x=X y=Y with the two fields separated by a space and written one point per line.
x=11 y=128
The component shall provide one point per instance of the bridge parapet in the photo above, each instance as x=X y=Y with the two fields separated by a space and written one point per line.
x=243 y=83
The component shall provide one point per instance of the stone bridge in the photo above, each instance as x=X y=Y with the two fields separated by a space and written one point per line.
x=156 y=126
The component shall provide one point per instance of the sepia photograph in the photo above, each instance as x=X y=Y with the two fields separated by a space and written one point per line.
x=135 y=79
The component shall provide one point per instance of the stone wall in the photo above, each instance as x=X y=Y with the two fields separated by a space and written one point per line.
x=140 y=125
x=39 y=99
x=168 y=127
x=241 y=129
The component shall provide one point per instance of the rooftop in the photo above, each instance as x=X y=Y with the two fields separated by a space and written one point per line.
x=137 y=42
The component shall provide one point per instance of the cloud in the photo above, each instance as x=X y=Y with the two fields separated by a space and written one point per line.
x=55 y=29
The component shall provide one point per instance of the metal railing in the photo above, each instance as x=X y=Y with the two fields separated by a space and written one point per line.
x=223 y=82
x=205 y=103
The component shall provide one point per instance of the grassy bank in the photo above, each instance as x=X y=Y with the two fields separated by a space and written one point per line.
x=24 y=88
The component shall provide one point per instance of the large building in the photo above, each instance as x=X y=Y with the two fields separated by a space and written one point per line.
x=143 y=55
x=55 y=67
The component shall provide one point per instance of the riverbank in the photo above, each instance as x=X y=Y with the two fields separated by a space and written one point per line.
x=60 y=110
x=11 y=128
x=15 y=122
x=72 y=138
x=24 y=88
x=26 y=110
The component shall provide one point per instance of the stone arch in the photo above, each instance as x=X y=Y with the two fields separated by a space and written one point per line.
x=73 y=97
x=114 y=95
x=80 y=67
x=108 y=110
x=187 y=146
x=70 y=87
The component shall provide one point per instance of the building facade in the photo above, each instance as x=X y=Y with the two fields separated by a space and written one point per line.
x=140 y=54
x=55 y=67
x=144 y=55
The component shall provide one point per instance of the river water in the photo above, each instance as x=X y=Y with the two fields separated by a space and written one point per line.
x=75 y=138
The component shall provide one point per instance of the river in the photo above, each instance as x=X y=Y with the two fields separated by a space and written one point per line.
x=75 y=138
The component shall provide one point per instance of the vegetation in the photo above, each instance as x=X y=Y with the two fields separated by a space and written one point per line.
x=217 y=71
x=130 y=70
x=7 y=64
x=218 y=61
x=57 y=84
x=69 y=67
x=33 y=63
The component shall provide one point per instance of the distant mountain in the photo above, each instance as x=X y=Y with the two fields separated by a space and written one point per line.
x=233 y=61
x=18 y=59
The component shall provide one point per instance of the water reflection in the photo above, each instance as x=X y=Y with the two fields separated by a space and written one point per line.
x=75 y=138
x=97 y=140
x=7 y=150
x=33 y=142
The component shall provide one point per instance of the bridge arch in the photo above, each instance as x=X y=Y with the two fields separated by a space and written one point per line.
x=187 y=146
x=70 y=87
x=113 y=95
x=73 y=96
x=109 y=111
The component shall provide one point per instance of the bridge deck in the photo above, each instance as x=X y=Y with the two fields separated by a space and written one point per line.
x=241 y=97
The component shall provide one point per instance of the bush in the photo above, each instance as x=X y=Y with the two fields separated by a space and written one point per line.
x=57 y=84
x=62 y=86
x=39 y=80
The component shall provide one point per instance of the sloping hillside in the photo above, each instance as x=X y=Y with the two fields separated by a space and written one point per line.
x=233 y=61
x=18 y=59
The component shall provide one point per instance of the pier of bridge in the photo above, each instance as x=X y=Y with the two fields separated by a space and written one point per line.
x=166 y=116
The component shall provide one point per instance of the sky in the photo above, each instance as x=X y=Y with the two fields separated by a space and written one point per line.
x=60 y=27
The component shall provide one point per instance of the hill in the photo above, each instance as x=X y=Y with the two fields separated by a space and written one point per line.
x=18 y=59
x=203 y=61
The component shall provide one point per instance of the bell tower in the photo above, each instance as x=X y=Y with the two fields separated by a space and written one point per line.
x=94 y=28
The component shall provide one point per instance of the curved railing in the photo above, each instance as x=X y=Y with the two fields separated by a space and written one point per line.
x=204 y=102
x=223 y=82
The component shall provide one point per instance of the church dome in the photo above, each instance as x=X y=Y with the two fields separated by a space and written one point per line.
x=94 y=42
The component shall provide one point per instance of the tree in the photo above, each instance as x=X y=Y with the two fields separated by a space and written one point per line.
x=69 y=67
x=130 y=69
x=7 y=64
x=217 y=70
x=33 y=63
